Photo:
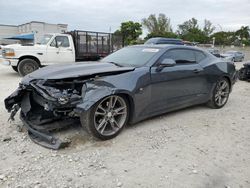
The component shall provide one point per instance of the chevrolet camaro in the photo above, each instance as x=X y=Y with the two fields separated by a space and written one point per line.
x=132 y=84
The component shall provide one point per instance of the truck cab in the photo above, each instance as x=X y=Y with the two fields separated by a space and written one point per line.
x=59 y=49
x=52 y=49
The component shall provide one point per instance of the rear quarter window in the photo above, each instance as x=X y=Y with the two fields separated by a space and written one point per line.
x=199 y=56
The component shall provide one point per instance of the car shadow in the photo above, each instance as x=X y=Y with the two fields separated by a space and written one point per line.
x=79 y=137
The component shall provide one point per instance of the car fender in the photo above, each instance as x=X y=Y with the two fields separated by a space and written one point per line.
x=94 y=92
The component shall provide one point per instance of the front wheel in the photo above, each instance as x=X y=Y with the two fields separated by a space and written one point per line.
x=107 y=118
x=220 y=94
x=27 y=66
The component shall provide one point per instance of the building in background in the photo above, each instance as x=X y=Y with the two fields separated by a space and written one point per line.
x=33 y=27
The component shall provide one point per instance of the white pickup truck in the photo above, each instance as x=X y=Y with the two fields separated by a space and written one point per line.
x=60 y=48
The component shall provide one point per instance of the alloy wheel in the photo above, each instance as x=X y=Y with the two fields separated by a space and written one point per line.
x=110 y=115
x=222 y=93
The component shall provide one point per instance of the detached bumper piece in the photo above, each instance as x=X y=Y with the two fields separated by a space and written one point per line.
x=46 y=140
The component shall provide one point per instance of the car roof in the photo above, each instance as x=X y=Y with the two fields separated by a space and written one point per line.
x=162 y=40
x=166 y=46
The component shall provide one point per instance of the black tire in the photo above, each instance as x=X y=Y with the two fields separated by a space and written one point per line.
x=27 y=66
x=15 y=68
x=88 y=121
x=212 y=103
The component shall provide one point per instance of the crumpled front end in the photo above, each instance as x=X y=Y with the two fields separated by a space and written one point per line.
x=46 y=105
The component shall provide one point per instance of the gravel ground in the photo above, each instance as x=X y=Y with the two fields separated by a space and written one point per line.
x=195 y=147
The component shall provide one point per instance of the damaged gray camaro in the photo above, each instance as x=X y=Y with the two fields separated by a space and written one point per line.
x=130 y=85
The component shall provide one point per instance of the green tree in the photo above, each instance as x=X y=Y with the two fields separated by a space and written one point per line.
x=243 y=32
x=188 y=26
x=191 y=31
x=158 y=26
x=224 y=38
x=208 y=28
x=130 y=31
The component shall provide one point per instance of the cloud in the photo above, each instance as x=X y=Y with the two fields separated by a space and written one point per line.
x=100 y=15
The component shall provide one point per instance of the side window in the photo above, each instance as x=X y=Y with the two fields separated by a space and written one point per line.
x=181 y=56
x=199 y=56
x=60 y=41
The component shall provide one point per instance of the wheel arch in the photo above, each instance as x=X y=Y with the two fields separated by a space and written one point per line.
x=131 y=104
x=29 y=57
x=94 y=96
x=229 y=80
x=219 y=78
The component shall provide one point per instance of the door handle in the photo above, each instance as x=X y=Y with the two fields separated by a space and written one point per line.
x=197 y=70
x=69 y=49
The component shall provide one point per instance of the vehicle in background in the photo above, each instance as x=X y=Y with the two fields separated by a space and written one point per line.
x=188 y=43
x=244 y=72
x=162 y=40
x=234 y=55
x=214 y=51
x=60 y=48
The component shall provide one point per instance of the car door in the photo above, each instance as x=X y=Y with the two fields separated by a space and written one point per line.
x=60 y=51
x=181 y=84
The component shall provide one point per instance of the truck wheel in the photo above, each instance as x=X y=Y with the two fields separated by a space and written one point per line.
x=27 y=66
x=15 y=68
x=106 y=118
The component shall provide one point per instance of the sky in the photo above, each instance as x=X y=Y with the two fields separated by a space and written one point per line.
x=101 y=15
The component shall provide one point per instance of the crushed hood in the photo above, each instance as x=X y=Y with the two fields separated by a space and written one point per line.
x=76 y=70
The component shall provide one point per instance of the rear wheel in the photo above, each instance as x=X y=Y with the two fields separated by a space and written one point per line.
x=27 y=66
x=106 y=118
x=220 y=94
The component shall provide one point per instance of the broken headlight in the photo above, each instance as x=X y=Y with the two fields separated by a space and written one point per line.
x=63 y=100
x=62 y=92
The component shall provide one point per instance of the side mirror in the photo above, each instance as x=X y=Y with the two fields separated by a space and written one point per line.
x=166 y=63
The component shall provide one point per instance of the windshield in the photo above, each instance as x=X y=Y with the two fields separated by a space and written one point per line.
x=45 y=39
x=132 y=56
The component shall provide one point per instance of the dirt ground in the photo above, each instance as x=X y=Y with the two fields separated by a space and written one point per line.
x=191 y=148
